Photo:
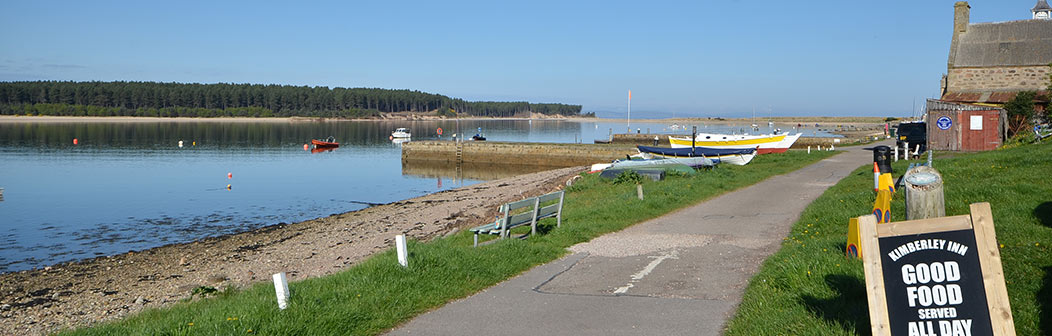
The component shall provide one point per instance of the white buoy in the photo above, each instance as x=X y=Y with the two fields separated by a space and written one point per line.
x=403 y=257
x=281 y=288
x=180 y=144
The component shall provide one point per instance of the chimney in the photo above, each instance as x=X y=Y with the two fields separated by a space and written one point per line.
x=960 y=17
x=960 y=25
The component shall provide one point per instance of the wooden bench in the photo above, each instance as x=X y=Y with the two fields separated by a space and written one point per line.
x=503 y=225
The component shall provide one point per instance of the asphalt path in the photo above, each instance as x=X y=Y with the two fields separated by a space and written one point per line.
x=683 y=273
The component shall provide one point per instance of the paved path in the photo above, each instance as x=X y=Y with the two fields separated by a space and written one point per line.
x=680 y=274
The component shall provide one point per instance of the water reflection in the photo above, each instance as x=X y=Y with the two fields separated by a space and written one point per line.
x=130 y=186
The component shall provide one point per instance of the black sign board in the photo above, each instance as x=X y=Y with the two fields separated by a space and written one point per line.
x=935 y=277
x=934 y=284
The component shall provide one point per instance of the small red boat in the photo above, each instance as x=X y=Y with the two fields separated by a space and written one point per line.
x=328 y=143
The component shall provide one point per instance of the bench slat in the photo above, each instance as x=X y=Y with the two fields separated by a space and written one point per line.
x=550 y=197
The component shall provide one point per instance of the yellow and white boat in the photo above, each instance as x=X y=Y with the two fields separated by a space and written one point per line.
x=768 y=143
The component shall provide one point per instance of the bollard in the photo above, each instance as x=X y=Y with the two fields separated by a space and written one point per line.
x=639 y=191
x=403 y=258
x=808 y=149
x=281 y=288
x=896 y=156
x=924 y=195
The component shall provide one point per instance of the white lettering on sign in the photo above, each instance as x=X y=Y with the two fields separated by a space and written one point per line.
x=946 y=328
x=936 y=313
x=927 y=244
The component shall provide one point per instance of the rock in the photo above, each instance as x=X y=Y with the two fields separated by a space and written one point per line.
x=452 y=232
x=140 y=301
x=183 y=262
x=5 y=307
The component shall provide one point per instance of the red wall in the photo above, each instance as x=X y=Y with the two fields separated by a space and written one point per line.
x=988 y=138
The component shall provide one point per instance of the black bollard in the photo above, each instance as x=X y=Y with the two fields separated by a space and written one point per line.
x=882 y=156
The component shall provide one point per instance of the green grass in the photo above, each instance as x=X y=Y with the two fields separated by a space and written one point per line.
x=809 y=288
x=377 y=294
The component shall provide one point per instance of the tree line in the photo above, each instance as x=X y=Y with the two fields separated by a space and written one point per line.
x=242 y=100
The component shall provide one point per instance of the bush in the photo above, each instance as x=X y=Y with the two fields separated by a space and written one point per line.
x=630 y=177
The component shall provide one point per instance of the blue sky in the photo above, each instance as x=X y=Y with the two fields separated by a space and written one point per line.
x=682 y=58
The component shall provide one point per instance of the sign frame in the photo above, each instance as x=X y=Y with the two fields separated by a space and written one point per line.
x=980 y=221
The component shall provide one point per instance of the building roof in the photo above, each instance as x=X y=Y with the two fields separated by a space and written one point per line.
x=1012 y=43
x=991 y=97
x=1041 y=6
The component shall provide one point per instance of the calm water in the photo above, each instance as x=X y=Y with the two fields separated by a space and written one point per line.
x=130 y=186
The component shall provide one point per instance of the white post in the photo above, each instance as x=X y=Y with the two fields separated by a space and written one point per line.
x=281 y=288
x=403 y=258
x=639 y=191
x=896 y=156
x=808 y=149
x=906 y=151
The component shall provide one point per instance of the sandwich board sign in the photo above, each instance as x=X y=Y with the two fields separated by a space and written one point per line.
x=936 y=276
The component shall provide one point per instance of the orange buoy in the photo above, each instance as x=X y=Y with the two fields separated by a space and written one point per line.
x=229 y=175
x=74 y=141
x=305 y=147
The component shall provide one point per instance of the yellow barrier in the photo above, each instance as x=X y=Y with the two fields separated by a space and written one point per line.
x=881 y=209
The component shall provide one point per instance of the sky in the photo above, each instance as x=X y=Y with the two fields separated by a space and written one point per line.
x=697 y=58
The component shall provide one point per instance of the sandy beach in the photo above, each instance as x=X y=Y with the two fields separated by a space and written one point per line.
x=106 y=288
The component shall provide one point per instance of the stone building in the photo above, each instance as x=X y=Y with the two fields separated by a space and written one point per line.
x=990 y=62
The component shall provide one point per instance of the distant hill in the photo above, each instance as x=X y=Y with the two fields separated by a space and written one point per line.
x=152 y=99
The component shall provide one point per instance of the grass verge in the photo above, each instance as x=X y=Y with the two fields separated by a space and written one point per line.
x=809 y=288
x=377 y=294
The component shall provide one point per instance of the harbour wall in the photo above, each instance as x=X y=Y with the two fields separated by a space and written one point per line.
x=519 y=153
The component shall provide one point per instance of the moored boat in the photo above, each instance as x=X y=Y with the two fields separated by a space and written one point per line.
x=327 y=143
x=401 y=132
x=768 y=143
x=734 y=156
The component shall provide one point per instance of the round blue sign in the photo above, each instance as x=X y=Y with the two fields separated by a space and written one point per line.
x=944 y=123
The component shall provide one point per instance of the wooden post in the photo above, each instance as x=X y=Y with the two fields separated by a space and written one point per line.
x=993 y=274
x=879 y=322
x=924 y=196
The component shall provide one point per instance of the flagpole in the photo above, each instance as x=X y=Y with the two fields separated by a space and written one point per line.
x=629 y=125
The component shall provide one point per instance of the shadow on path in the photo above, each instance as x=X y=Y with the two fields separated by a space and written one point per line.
x=848 y=308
